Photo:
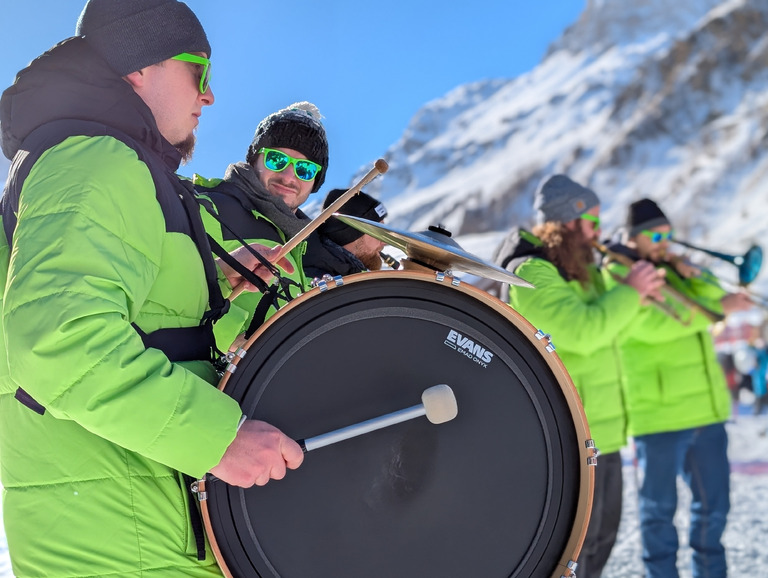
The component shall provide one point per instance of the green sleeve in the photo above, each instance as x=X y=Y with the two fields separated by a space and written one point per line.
x=580 y=322
x=703 y=288
x=652 y=324
x=88 y=250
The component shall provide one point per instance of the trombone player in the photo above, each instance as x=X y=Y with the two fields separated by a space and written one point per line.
x=677 y=403
x=585 y=318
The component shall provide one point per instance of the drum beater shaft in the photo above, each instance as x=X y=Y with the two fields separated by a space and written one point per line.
x=437 y=402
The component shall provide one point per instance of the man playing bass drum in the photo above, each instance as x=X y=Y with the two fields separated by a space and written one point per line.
x=677 y=403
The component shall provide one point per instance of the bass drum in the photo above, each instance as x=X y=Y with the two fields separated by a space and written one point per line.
x=504 y=489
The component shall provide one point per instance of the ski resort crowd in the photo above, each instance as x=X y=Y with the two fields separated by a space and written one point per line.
x=124 y=284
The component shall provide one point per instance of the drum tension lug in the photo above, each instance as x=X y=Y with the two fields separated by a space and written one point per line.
x=232 y=366
x=540 y=335
x=572 y=565
x=592 y=460
x=441 y=275
x=327 y=282
x=201 y=494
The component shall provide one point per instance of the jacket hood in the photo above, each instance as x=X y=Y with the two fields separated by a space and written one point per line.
x=71 y=81
x=516 y=247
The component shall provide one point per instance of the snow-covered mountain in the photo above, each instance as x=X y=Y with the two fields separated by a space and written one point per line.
x=643 y=98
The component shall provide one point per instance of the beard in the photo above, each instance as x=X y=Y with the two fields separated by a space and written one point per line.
x=371 y=261
x=186 y=148
x=568 y=250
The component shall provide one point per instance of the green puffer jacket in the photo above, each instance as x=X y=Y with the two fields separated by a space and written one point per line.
x=672 y=379
x=92 y=486
x=232 y=217
x=585 y=325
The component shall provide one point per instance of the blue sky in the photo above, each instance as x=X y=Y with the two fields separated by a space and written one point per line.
x=368 y=66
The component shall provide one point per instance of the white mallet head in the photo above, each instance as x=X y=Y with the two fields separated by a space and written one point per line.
x=439 y=403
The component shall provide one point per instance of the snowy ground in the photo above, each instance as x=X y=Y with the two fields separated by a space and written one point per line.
x=747 y=529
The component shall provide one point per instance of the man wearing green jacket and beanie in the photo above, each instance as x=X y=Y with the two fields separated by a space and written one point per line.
x=677 y=404
x=259 y=200
x=107 y=393
x=571 y=303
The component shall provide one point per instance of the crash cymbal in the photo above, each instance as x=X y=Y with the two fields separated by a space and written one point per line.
x=434 y=249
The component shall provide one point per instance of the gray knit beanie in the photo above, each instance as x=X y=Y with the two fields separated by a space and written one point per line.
x=561 y=199
x=133 y=34
x=296 y=127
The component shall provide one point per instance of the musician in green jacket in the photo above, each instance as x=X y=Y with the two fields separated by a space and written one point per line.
x=677 y=403
x=259 y=200
x=585 y=319
x=102 y=257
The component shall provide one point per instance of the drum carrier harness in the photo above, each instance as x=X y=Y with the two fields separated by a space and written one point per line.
x=179 y=344
x=236 y=218
x=180 y=208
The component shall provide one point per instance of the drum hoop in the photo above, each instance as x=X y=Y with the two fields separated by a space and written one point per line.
x=575 y=542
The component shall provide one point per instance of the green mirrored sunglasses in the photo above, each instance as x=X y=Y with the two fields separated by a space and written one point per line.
x=595 y=220
x=277 y=161
x=205 y=71
x=657 y=237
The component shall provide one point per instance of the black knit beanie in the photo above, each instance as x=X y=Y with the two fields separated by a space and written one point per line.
x=643 y=215
x=133 y=34
x=361 y=205
x=296 y=127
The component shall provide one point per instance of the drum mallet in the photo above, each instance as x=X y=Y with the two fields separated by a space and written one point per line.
x=437 y=402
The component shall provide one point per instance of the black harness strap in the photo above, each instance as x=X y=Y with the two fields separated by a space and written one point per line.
x=260 y=313
x=246 y=273
x=195 y=519
x=218 y=306
x=281 y=289
x=179 y=344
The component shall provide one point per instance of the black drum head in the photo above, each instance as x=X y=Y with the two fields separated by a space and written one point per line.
x=492 y=493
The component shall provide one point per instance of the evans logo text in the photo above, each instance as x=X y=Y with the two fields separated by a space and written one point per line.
x=469 y=348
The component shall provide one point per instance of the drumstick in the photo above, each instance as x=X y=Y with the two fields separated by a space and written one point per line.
x=379 y=168
x=437 y=402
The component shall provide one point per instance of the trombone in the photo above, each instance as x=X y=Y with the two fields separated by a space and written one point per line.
x=748 y=266
x=674 y=303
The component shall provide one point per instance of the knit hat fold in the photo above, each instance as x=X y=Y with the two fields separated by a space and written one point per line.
x=133 y=34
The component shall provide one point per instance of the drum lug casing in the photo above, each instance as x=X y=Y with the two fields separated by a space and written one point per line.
x=440 y=277
x=201 y=494
x=572 y=570
x=540 y=335
x=592 y=460
x=327 y=282
x=230 y=357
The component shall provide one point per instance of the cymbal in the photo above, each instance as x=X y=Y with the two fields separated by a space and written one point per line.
x=433 y=248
